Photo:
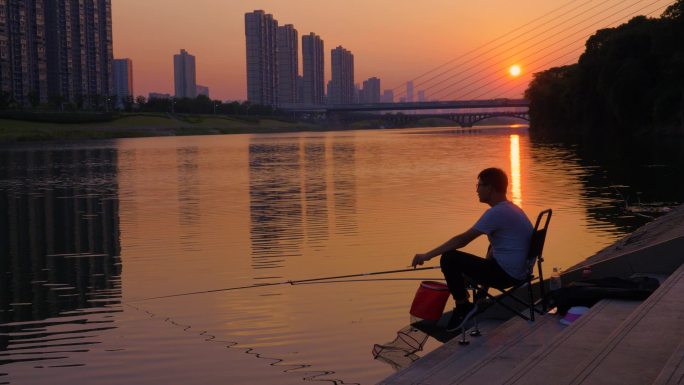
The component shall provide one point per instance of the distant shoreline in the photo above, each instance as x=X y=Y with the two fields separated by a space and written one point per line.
x=156 y=124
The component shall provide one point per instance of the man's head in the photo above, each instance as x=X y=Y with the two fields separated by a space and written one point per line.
x=491 y=185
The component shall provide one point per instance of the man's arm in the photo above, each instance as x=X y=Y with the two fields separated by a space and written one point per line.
x=460 y=240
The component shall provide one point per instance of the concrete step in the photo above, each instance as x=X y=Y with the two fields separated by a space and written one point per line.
x=498 y=349
x=673 y=371
x=417 y=371
x=558 y=358
x=637 y=350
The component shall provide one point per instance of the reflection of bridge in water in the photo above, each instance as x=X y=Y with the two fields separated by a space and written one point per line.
x=462 y=112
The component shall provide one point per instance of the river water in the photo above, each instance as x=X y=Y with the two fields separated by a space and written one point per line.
x=92 y=232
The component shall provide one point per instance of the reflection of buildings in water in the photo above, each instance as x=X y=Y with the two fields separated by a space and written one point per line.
x=275 y=205
x=344 y=184
x=291 y=187
x=315 y=193
x=59 y=229
x=188 y=197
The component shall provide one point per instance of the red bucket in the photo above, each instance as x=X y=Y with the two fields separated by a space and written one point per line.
x=430 y=300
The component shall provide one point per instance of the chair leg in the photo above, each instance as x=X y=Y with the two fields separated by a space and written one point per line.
x=476 y=331
x=463 y=340
x=529 y=289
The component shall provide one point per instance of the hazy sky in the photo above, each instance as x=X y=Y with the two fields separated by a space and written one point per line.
x=395 y=40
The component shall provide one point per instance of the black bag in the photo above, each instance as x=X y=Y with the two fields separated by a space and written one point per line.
x=587 y=292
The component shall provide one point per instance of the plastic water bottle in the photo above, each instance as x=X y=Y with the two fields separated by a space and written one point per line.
x=555 y=280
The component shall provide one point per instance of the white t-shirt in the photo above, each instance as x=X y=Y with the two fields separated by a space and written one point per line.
x=509 y=232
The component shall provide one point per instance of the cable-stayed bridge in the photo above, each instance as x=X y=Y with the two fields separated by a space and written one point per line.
x=476 y=83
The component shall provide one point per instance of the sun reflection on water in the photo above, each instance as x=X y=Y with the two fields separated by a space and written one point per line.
x=516 y=189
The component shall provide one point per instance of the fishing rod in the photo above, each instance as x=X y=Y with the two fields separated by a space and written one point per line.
x=291 y=282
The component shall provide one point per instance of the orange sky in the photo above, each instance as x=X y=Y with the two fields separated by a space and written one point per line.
x=395 y=40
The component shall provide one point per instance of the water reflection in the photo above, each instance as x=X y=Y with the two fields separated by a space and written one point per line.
x=292 y=185
x=275 y=203
x=516 y=189
x=188 y=197
x=59 y=249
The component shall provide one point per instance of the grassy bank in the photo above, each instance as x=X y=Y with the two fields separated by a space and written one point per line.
x=145 y=125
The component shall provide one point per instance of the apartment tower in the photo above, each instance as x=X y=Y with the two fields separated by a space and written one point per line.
x=123 y=80
x=59 y=50
x=342 y=68
x=287 y=63
x=262 y=68
x=313 y=69
x=184 y=76
x=79 y=50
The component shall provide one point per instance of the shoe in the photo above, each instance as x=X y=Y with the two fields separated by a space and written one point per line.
x=461 y=314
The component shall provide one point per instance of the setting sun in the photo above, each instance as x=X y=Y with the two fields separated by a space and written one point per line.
x=514 y=70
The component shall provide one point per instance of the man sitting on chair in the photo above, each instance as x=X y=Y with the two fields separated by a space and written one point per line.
x=508 y=230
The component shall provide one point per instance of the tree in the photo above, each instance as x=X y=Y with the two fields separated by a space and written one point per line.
x=140 y=101
x=34 y=99
x=128 y=102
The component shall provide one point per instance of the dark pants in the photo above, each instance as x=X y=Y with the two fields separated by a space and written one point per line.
x=455 y=264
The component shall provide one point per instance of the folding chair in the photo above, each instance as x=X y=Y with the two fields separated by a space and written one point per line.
x=534 y=256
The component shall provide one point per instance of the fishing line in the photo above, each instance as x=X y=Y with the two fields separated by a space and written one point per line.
x=291 y=282
x=369 y=280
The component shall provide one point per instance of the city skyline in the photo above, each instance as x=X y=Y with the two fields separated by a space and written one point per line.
x=395 y=42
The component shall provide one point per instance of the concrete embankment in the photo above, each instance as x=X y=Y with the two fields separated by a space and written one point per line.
x=621 y=342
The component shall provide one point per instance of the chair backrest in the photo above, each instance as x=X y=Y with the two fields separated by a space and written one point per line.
x=537 y=240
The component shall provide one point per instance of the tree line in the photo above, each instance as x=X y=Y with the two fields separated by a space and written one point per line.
x=628 y=82
x=202 y=104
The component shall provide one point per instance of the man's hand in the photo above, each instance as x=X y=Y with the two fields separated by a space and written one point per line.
x=419 y=259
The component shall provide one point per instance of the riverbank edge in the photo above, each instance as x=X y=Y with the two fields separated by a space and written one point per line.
x=147 y=125
x=139 y=125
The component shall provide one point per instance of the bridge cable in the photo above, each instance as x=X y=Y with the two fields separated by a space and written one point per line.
x=485 y=76
x=543 y=66
x=486 y=44
x=537 y=43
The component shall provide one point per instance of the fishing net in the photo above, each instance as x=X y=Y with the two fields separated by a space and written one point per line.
x=400 y=352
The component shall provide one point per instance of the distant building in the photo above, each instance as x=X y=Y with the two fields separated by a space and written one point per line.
x=313 y=69
x=123 y=80
x=409 y=91
x=421 y=96
x=342 y=69
x=371 y=90
x=287 y=63
x=158 y=95
x=261 y=45
x=387 y=96
x=56 y=50
x=184 y=75
x=202 y=90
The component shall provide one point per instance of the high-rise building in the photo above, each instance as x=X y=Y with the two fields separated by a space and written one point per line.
x=409 y=91
x=23 y=61
x=78 y=38
x=60 y=50
x=387 y=96
x=287 y=63
x=421 y=95
x=342 y=69
x=371 y=90
x=123 y=80
x=313 y=69
x=184 y=76
x=262 y=74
